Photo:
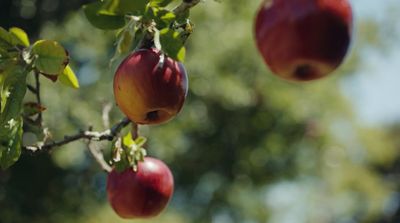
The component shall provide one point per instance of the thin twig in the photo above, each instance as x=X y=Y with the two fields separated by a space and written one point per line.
x=39 y=119
x=106 y=114
x=31 y=88
x=108 y=134
x=98 y=156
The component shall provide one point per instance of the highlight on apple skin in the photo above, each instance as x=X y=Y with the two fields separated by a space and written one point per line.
x=303 y=40
x=141 y=194
x=150 y=88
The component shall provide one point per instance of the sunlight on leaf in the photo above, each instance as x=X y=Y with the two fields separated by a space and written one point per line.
x=20 y=36
x=68 y=78
x=51 y=57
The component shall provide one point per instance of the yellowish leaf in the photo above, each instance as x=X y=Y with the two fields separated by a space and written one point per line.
x=69 y=78
x=20 y=35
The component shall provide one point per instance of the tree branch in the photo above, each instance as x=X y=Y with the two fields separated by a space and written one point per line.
x=108 y=134
x=106 y=114
x=98 y=156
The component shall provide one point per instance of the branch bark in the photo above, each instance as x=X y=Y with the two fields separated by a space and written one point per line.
x=108 y=134
x=106 y=114
x=98 y=156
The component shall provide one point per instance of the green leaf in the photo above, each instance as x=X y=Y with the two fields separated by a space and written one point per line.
x=162 y=17
x=123 y=7
x=50 y=57
x=161 y=3
x=15 y=37
x=127 y=140
x=12 y=91
x=14 y=86
x=20 y=37
x=4 y=94
x=119 y=158
x=136 y=7
x=172 y=44
x=167 y=16
x=68 y=78
x=109 y=7
x=140 y=141
x=7 y=64
x=138 y=38
x=3 y=53
x=14 y=80
x=121 y=166
x=10 y=145
x=128 y=152
x=124 y=42
x=5 y=67
x=5 y=39
x=100 y=19
x=183 y=16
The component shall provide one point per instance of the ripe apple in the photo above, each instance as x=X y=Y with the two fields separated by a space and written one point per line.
x=303 y=40
x=150 y=88
x=141 y=194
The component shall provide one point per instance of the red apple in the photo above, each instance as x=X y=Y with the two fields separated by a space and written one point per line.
x=141 y=194
x=150 y=89
x=303 y=40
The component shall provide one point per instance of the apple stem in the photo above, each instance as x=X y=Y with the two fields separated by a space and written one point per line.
x=134 y=130
x=146 y=42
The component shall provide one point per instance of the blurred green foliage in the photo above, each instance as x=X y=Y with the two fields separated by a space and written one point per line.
x=247 y=146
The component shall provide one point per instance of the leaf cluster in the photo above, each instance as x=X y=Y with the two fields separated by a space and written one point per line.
x=140 y=22
x=18 y=59
x=128 y=152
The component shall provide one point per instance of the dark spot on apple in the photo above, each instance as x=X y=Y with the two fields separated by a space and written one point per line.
x=334 y=36
x=153 y=115
x=305 y=72
x=119 y=87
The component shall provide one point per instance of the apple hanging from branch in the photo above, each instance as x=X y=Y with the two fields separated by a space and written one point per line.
x=141 y=194
x=150 y=88
x=303 y=40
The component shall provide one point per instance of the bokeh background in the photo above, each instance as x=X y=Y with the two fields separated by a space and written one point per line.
x=247 y=147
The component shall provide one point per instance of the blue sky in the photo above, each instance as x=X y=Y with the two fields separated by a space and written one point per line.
x=375 y=88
